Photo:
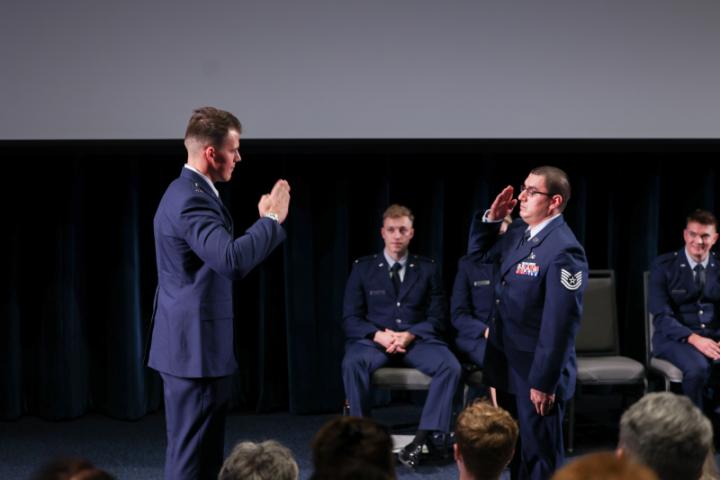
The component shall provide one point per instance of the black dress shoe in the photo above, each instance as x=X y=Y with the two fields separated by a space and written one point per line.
x=440 y=444
x=410 y=455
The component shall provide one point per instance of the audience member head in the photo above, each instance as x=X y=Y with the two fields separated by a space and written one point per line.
x=485 y=441
x=346 y=446
x=604 y=466
x=71 y=469
x=668 y=433
x=268 y=460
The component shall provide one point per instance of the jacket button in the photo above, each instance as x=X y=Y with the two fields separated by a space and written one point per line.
x=398 y=321
x=700 y=312
x=398 y=304
x=497 y=301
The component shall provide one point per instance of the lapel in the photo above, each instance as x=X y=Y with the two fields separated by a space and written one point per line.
x=382 y=271
x=685 y=273
x=411 y=276
x=517 y=253
x=711 y=274
x=200 y=185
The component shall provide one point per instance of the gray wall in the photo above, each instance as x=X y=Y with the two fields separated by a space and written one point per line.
x=365 y=69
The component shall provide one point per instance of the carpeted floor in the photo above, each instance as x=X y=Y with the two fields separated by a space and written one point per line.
x=135 y=450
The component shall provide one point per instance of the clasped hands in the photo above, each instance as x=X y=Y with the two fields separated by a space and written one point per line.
x=394 y=342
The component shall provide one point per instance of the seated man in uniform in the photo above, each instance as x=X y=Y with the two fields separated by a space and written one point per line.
x=472 y=301
x=394 y=314
x=684 y=292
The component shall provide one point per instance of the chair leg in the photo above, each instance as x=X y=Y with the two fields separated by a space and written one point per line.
x=571 y=425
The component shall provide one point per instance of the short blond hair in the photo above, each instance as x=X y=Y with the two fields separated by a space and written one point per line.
x=486 y=437
x=397 y=211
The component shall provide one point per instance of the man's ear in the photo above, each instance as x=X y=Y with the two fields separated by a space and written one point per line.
x=456 y=453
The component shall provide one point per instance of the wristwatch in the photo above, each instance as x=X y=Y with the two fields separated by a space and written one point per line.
x=273 y=216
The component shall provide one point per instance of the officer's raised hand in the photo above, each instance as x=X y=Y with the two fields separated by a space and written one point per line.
x=503 y=204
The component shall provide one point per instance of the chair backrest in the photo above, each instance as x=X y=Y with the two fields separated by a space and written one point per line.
x=649 y=329
x=598 y=333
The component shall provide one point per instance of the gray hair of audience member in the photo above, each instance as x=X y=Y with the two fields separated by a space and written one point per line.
x=268 y=460
x=668 y=433
x=71 y=469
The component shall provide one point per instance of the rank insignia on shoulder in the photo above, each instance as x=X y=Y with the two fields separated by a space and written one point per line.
x=570 y=281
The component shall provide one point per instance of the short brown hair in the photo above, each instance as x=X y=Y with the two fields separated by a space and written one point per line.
x=345 y=442
x=212 y=125
x=556 y=182
x=486 y=437
x=604 y=466
x=397 y=211
x=703 y=217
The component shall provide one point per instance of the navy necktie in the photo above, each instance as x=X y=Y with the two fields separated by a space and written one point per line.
x=699 y=277
x=395 y=276
x=525 y=238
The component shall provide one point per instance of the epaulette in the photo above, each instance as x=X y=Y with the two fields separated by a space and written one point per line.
x=366 y=258
x=420 y=258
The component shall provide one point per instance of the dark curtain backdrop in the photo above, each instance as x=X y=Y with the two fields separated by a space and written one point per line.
x=79 y=270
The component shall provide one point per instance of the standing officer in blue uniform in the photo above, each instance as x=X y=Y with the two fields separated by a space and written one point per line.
x=394 y=313
x=198 y=257
x=542 y=273
x=684 y=292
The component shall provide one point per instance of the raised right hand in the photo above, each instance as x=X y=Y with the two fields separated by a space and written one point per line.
x=503 y=204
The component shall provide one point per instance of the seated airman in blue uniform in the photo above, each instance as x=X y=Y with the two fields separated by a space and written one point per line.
x=472 y=301
x=684 y=292
x=394 y=313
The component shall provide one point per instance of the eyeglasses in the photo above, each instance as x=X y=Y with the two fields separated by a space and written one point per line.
x=532 y=191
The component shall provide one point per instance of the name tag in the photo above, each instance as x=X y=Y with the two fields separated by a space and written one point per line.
x=376 y=292
x=480 y=283
x=527 y=269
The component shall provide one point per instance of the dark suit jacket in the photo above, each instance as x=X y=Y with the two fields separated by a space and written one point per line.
x=538 y=291
x=370 y=303
x=197 y=261
x=676 y=303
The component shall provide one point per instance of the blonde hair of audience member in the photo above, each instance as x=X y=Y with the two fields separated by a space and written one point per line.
x=668 y=433
x=604 y=466
x=71 y=469
x=345 y=443
x=268 y=460
x=485 y=441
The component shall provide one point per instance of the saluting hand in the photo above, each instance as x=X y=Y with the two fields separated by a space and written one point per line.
x=502 y=205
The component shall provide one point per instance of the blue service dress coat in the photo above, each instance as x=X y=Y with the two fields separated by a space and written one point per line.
x=371 y=305
x=191 y=339
x=471 y=302
x=197 y=260
x=680 y=308
x=538 y=306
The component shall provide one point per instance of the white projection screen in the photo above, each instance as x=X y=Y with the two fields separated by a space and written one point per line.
x=134 y=69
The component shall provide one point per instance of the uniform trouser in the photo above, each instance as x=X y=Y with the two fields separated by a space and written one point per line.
x=363 y=357
x=475 y=352
x=540 y=449
x=195 y=410
x=696 y=368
